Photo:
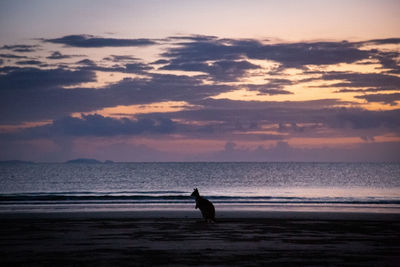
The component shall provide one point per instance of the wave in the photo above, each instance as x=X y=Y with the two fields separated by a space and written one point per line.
x=160 y=197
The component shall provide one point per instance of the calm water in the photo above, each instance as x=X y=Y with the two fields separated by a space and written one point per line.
x=372 y=187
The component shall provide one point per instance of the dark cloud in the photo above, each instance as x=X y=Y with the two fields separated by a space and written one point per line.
x=294 y=128
x=223 y=70
x=20 y=48
x=160 y=62
x=389 y=99
x=289 y=55
x=59 y=55
x=28 y=62
x=44 y=99
x=389 y=61
x=224 y=104
x=201 y=51
x=258 y=112
x=363 y=90
x=376 y=80
x=363 y=119
x=31 y=94
x=35 y=78
x=193 y=38
x=383 y=41
x=12 y=56
x=307 y=117
x=97 y=125
x=319 y=53
x=86 y=62
x=136 y=67
x=273 y=87
x=85 y=40
x=119 y=58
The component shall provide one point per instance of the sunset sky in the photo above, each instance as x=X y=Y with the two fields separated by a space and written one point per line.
x=200 y=80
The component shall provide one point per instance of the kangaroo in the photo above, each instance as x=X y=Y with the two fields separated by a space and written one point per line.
x=206 y=207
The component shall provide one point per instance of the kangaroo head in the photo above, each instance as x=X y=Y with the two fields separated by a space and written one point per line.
x=195 y=193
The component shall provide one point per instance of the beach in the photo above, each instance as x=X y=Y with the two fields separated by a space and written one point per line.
x=174 y=238
x=141 y=214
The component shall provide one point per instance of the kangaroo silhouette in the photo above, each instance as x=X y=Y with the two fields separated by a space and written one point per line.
x=206 y=207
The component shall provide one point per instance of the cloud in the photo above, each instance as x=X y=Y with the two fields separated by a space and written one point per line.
x=284 y=152
x=119 y=58
x=299 y=118
x=389 y=61
x=294 y=55
x=59 y=55
x=42 y=97
x=133 y=67
x=34 y=78
x=20 y=48
x=318 y=53
x=160 y=62
x=273 y=87
x=375 y=80
x=97 y=125
x=224 y=110
x=383 y=41
x=223 y=70
x=33 y=94
x=87 y=41
x=363 y=90
x=389 y=99
x=12 y=56
x=28 y=62
x=364 y=119
x=136 y=68
x=86 y=62
x=193 y=38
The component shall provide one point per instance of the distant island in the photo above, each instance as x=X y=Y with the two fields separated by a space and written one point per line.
x=86 y=161
x=79 y=160
x=16 y=162
x=89 y=161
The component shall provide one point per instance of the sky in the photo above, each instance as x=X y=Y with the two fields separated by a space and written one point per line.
x=200 y=80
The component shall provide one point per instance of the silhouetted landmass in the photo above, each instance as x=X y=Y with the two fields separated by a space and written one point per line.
x=109 y=162
x=86 y=161
x=16 y=162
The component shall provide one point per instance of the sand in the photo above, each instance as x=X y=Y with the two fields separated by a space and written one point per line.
x=180 y=239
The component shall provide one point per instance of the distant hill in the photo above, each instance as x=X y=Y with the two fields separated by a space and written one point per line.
x=86 y=161
x=16 y=162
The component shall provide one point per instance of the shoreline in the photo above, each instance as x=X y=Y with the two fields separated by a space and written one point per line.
x=195 y=214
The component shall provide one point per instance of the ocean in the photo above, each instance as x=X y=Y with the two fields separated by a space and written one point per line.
x=64 y=187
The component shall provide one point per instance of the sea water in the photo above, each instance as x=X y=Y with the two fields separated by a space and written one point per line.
x=344 y=187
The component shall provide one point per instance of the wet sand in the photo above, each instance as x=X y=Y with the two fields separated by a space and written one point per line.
x=247 y=239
